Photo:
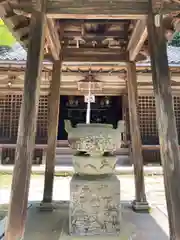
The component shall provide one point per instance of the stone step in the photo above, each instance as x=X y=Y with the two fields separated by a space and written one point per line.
x=62 y=143
x=64 y=151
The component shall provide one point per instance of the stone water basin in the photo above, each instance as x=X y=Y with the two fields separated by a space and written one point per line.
x=94 y=145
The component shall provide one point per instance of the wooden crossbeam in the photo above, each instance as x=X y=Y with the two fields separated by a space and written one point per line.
x=96 y=9
x=96 y=55
x=108 y=34
x=91 y=51
x=137 y=39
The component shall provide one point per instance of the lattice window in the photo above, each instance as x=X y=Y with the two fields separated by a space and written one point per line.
x=177 y=114
x=42 y=118
x=16 y=106
x=147 y=113
x=9 y=118
x=147 y=116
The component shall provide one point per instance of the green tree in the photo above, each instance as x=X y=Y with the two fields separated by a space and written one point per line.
x=175 y=41
x=6 y=38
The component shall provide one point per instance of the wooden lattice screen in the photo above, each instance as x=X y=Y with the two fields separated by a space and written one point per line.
x=147 y=117
x=9 y=118
x=177 y=114
x=147 y=114
x=148 y=126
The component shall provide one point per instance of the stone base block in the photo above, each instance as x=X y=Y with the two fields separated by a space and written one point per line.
x=94 y=205
x=46 y=207
x=140 y=206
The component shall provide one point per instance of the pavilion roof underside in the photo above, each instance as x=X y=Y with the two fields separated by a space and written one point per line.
x=91 y=31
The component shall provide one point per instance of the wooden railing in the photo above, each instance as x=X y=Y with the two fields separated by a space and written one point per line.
x=7 y=152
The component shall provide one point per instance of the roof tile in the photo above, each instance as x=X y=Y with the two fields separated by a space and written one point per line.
x=17 y=53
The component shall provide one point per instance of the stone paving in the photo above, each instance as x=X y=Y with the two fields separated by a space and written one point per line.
x=154 y=190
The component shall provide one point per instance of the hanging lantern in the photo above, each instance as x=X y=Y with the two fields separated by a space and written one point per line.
x=90 y=82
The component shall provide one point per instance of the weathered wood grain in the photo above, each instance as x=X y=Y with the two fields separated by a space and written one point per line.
x=169 y=149
x=53 y=117
x=53 y=39
x=137 y=39
x=27 y=128
x=135 y=133
x=97 y=55
x=104 y=7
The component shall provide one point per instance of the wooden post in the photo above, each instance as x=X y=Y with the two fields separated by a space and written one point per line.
x=27 y=127
x=1 y=156
x=124 y=118
x=140 y=202
x=44 y=157
x=170 y=155
x=54 y=101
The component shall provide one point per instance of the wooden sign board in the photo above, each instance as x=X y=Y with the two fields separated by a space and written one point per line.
x=90 y=98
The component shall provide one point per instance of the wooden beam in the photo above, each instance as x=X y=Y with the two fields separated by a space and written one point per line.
x=108 y=34
x=137 y=39
x=96 y=55
x=53 y=39
x=79 y=22
x=92 y=51
x=100 y=59
x=97 y=58
x=96 y=9
x=140 y=202
x=27 y=128
x=170 y=155
x=53 y=120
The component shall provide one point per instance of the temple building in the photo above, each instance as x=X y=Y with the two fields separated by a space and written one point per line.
x=110 y=90
x=123 y=56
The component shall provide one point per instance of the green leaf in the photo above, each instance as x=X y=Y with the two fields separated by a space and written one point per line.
x=6 y=37
x=175 y=42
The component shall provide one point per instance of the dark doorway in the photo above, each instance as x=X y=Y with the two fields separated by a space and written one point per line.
x=104 y=110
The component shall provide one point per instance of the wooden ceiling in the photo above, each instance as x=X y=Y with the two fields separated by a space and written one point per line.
x=88 y=30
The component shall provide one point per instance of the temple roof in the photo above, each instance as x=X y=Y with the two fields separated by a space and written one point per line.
x=14 y=53
x=17 y=53
x=108 y=34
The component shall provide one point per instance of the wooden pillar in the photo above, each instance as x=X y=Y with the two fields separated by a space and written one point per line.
x=27 y=127
x=140 y=202
x=124 y=118
x=1 y=156
x=54 y=101
x=170 y=155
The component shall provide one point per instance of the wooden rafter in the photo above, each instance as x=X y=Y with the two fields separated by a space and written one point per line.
x=19 y=27
x=137 y=39
x=53 y=39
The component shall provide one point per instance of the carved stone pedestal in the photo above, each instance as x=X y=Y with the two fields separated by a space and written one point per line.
x=94 y=205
